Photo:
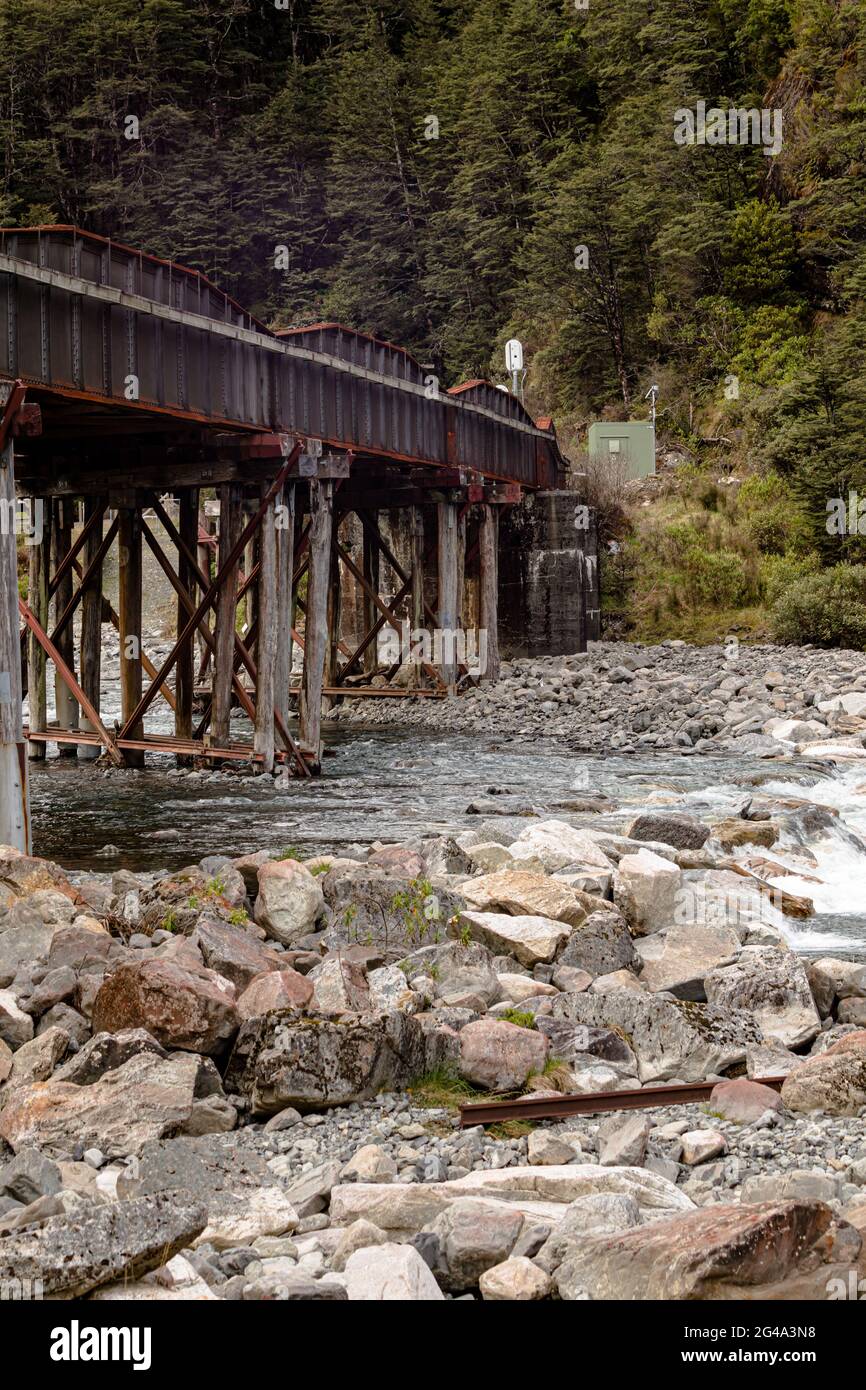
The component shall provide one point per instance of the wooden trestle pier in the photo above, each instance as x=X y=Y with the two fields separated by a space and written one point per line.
x=354 y=496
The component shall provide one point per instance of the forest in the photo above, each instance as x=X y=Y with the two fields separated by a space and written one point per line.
x=450 y=173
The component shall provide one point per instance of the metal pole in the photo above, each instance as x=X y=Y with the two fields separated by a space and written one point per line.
x=14 y=798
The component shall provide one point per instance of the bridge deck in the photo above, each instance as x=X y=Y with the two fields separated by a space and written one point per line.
x=110 y=340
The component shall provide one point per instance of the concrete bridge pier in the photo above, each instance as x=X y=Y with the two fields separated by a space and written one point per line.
x=548 y=585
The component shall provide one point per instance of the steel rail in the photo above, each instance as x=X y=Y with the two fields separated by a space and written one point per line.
x=492 y=1112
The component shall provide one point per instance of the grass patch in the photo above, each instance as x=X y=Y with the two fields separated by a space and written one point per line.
x=441 y=1089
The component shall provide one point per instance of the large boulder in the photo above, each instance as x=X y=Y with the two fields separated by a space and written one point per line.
x=16 y=1026
x=289 y=902
x=834 y=1081
x=386 y=1272
x=554 y=846
x=182 y=1007
x=678 y=959
x=473 y=1235
x=71 y=1255
x=456 y=970
x=312 y=1063
x=529 y=939
x=525 y=894
x=646 y=889
x=743 y=1101
x=716 y=1253
x=542 y=1193
x=24 y=939
x=773 y=987
x=147 y=1097
x=374 y=905
x=601 y=945
x=340 y=986
x=831 y=980
x=669 y=1037
x=232 y=952
x=683 y=832
x=500 y=1056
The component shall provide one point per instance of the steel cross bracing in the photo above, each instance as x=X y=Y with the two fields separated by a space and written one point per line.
x=82 y=318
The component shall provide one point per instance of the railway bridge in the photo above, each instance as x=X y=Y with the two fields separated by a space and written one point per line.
x=356 y=499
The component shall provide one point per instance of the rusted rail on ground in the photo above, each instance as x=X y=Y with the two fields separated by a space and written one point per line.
x=492 y=1112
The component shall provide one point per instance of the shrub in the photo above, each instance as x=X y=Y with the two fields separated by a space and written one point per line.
x=827 y=609
x=779 y=572
x=717 y=577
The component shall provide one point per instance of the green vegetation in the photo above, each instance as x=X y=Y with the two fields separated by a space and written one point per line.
x=520 y=1017
x=442 y=1089
x=288 y=853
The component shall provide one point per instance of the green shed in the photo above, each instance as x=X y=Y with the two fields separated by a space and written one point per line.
x=631 y=440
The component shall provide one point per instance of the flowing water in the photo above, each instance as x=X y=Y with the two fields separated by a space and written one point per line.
x=394 y=785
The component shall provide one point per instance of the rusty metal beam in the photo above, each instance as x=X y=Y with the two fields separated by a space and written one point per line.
x=551 y=1107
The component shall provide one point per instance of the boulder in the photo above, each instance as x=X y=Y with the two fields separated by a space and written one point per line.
x=359 y=1236
x=277 y=989
x=370 y=1163
x=601 y=945
x=622 y=1141
x=190 y=1009
x=283 y=1060
x=743 y=1101
x=367 y=903
x=529 y=939
x=678 y=959
x=555 y=845
x=233 y=953
x=718 y=1252
x=72 y=1254
x=16 y=1027
x=525 y=894
x=545 y=1148
x=670 y=1037
x=517 y=1280
x=145 y=1098
x=500 y=1056
x=289 y=902
x=390 y=1273
x=683 y=832
x=539 y=1192
x=602 y=1213
x=473 y=1235
x=773 y=987
x=340 y=986
x=700 y=1145
x=24 y=939
x=645 y=889
x=581 y=1045
x=834 y=1081
x=456 y=970
x=106 y=1052
x=731 y=834
x=37 y=1059
x=832 y=979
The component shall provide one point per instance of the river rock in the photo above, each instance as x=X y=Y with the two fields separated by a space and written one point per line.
x=233 y=953
x=743 y=1101
x=105 y=1052
x=190 y=1009
x=528 y=939
x=96 y=1245
x=831 y=979
x=276 y=989
x=456 y=970
x=340 y=986
x=555 y=845
x=517 y=1280
x=602 y=1213
x=390 y=1273
x=524 y=894
x=5 y=1060
x=473 y=1235
x=601 y=945
x=716 y=1253
x=500 y=1056
x=670 y=1037
x=37 y=1059
x=773 y=987
x=145 y=1098
x=622 y=1141
x=700 y=1145
x=312 y=1063
x=834 y=1081
x=289 y=902
x=731 y=834
x=678 y=959
x=645 y=889
x=16 y=1027
x=24 y=938
x=683 y=832
x=581 y=1045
